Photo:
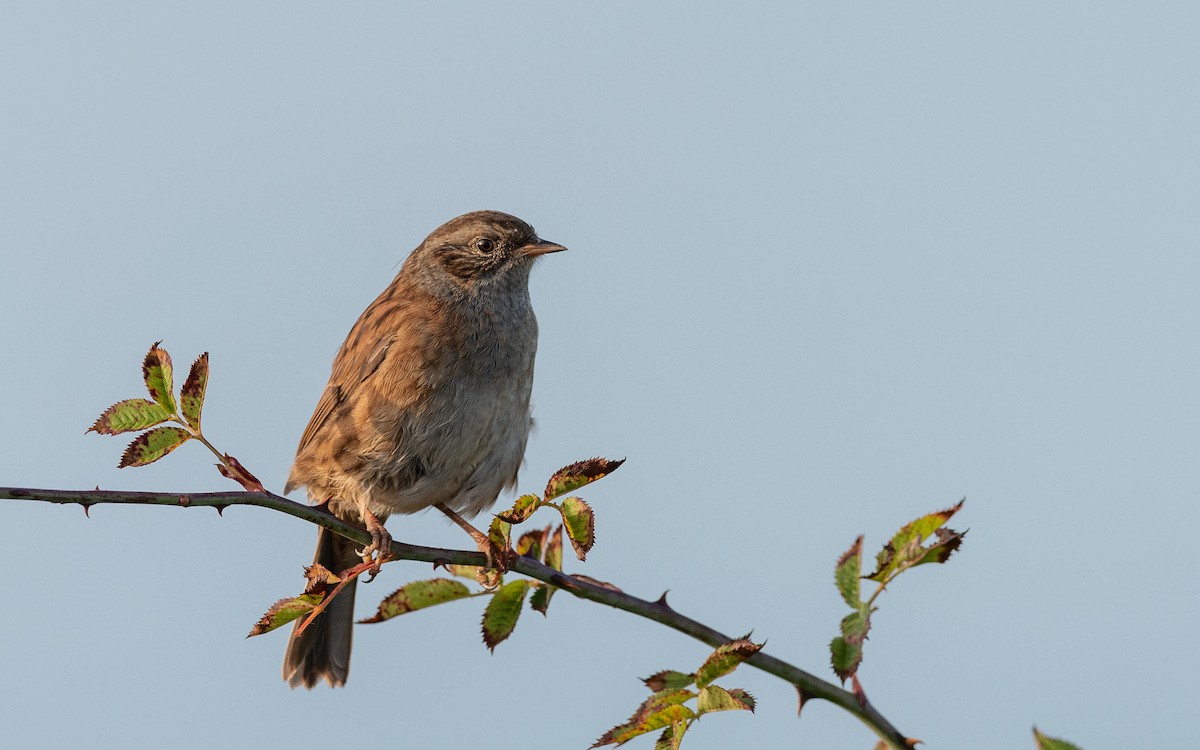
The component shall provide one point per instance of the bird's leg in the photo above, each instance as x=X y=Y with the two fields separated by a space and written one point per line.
x=379 y=548
x=497 y=559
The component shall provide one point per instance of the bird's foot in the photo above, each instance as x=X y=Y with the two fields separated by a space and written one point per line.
x=380 y=547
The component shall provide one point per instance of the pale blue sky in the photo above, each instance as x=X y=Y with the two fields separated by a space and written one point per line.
x=832 y=266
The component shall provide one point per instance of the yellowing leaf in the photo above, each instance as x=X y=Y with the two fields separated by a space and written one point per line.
x=284 y=611
x=715 y=698
x=578 y=474
x=652 y=715
x=671 y=737
x=725 y=659
x=129 y=416
x=156 y=370
x=580 y=522
x=153 y=445
x=191 y=396
x=500 y=617
x=418 y=595
x=522 y=508
x=552 y=554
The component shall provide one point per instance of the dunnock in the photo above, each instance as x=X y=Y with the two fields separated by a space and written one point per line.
x=428 y=405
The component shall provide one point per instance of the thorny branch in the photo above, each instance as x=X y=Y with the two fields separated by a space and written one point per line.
x=808 y=685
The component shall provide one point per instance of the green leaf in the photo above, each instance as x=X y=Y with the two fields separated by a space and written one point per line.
x=191 y=396
x=715 y=698
x=156 y=370
x=725 y=659
x=284 y=611
x=540 y=601
x=847 y=572
x=552 y=554
x=581 y=525
x=658 y=711
x=668 y=679
x=153 y=445
x=905 y=549
x=856 y=624
x=1050 y=743
x=419 y=595
x=500 y=617
x=845 y=657
x=578 y=474
x=128 y=416
x=522 y=508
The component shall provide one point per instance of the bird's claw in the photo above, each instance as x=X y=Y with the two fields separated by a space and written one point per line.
x=379 y=549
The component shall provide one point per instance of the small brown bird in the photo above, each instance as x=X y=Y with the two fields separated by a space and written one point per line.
x=428 y=405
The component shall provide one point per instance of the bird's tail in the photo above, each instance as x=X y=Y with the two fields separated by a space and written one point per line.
x=322 y=651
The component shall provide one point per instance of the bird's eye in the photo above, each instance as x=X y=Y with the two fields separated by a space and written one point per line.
x=484 y=245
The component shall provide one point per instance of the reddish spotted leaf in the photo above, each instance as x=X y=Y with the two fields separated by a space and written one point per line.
x=418 y=595
x=906 y=549
x=500 y=534
x=578 y=474
x=153 y=445
x=129 y=416
x=668 y=679
x=191 y=396
x=156 y=370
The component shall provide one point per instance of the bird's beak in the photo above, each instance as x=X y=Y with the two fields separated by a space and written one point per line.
x=540 y=247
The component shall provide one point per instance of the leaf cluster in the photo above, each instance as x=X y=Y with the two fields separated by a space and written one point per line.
x=153 y=414
x=671 y=690
x=925 y=540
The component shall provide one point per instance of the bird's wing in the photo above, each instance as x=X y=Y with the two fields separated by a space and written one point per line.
x=351 y=370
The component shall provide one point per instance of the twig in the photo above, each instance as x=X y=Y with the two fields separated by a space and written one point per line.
x=809 y=685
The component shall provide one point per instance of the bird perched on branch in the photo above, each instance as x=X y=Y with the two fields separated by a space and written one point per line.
x=427 y=406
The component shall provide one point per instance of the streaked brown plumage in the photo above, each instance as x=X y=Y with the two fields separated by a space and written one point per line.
x=428 y=403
